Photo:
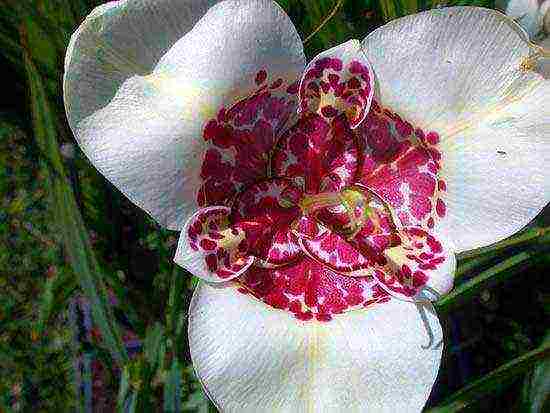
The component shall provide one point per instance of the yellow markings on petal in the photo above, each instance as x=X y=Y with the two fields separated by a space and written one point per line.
x=311 y=203
x=328 y=99
x=190 y=96
x=511 y=96
x=354 y=200
x=529 y=63
x=352 y=112
x=396 y=257
x=513 y=93
x=314 y=352
x=230 y=240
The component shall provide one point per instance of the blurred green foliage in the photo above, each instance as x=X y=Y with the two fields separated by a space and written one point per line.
x=93 y=310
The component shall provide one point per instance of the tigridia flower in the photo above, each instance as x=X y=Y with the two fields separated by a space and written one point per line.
x=323 y=205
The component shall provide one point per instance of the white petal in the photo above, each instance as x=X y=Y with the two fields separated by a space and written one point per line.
x=457 y=71
x=525 y=12
x=143 y=76
x=253 y=358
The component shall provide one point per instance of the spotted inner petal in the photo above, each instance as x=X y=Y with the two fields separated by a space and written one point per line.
x=265 y=211
x=419 y=268
x=241 y=138
x=401 y=164
x=217 y=249
x=310 y=290
x=338 y=81
x=317 y=154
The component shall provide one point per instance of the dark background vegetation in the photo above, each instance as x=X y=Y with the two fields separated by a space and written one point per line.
x=92 y=309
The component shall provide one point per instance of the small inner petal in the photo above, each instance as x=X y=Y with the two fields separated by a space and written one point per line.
x=215 y=250
x=352 y=235
x=337 y=82
x=318 y=155
x=420 y=268
x=265 y=212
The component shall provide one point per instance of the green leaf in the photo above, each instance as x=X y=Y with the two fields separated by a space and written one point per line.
x=494 y=275
x=536 y=388
x=152 y=345
x=46 y=304
x=123 y=389
x=320 y=23
x=65 y=210
x=539 y=235
x=87 y=380
x=479 y=3
x=131 y=405
x=172 y=388
x=392 y=9
x=492 y=382
x=174 y=314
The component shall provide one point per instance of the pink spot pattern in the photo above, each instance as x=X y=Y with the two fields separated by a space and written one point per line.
x=401 y=164
x=311 y=291
x=420 y=254
x=317 y=154
x=335 y=85
x=265 y=211
x=210 y=235
x=241 y=137
x=263 y=162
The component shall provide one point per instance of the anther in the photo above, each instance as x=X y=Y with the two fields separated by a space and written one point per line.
x=529 y=63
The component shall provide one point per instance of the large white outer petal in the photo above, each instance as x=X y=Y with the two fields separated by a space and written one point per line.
x=252 y=358
x=457 y=71
x=142 y=76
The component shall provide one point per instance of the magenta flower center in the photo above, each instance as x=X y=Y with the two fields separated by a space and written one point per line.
x=318 y=218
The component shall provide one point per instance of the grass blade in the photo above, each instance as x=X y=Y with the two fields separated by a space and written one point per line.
x=497 y=274
x=74 y=236
x=536 y=389
x=123 y=389
x=492 y=382
x=172 y=389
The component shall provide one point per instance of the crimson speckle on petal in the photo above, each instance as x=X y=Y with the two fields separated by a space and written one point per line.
x=330 y=216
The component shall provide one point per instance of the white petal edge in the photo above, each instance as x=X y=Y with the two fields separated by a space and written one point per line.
x=252 y=358
x=464 y=81
x=143 y=76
